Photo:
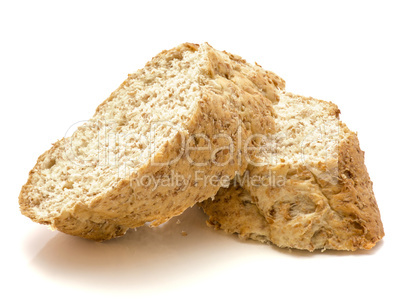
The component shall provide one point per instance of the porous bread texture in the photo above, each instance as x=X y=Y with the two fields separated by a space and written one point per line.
x=189 y=109
x=315 y=192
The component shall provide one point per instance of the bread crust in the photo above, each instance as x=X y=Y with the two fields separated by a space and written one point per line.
x=240 y=104
x=308 y=212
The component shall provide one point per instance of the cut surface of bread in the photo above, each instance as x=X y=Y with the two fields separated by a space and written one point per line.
x=309 y=188
x=188 y=111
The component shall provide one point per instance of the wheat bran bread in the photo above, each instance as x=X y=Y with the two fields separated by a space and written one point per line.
x=161 y=123
x=317 y=193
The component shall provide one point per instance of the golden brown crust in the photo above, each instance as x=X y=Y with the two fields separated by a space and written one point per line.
x=232 y=211
x=87 y=229
x=355 y=202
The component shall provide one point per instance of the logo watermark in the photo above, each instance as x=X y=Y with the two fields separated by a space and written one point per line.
x=107 y=144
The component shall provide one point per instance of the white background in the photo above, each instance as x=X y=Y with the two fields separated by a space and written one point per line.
x=59 y=60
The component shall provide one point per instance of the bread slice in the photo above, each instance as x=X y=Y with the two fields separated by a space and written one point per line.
x=309 y=189
x=135 y=161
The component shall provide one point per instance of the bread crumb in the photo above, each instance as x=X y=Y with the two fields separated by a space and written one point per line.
x=188 y=86
x=178 y=221
x=184 y=233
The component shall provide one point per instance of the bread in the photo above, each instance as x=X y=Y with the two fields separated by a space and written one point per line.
x=135 y=160
x=309 y=189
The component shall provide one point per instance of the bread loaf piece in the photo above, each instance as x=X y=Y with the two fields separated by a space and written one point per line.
x=309 y=189
x=134 y=162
